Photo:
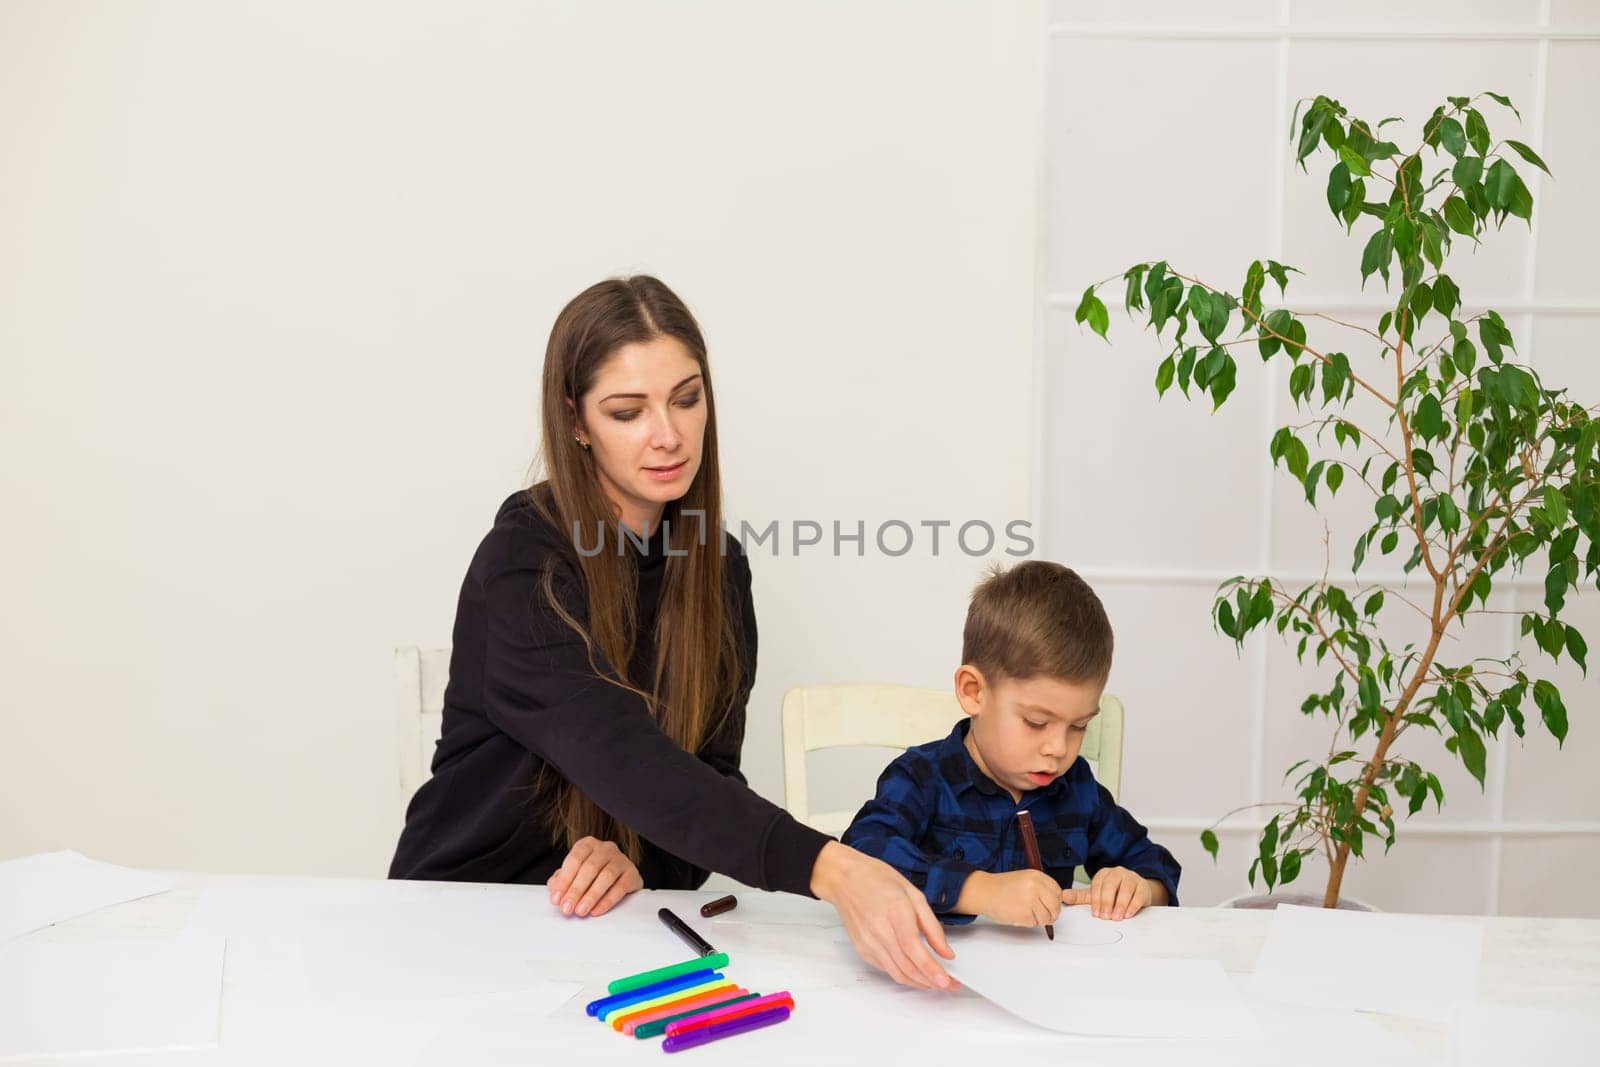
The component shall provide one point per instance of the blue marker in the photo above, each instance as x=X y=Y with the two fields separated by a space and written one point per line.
x=651 y=991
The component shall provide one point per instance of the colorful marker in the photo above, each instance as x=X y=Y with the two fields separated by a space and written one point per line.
x=644 y=978
x=708 y=1034
x=626 y=1020
x=656 y=1027
x=653 y=1002
x=717 y=1016
x=654 y=989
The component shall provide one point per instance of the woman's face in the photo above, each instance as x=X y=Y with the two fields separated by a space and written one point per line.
x=644 y=418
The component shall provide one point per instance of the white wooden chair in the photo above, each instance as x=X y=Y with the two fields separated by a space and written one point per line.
x=899 y=716
x=420 y=675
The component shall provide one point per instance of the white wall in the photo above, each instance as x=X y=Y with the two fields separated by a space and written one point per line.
x=274 y=291
x=1166 y=137
x=275 y=288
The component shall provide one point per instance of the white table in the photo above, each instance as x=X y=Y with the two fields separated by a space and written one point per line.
x=342 y=971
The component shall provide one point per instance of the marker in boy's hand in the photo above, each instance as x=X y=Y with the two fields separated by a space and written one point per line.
x=1117 y=893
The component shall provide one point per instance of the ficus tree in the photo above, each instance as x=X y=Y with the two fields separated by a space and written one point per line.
x=1476 y=472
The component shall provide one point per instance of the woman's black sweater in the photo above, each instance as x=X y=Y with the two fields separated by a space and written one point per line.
x=522 y=695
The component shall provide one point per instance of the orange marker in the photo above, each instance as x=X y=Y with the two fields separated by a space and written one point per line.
x=695 y=1004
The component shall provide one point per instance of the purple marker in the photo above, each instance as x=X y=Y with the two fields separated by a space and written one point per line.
x=718 y=1031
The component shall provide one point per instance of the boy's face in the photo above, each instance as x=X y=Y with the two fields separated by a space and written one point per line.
x=1025 y=733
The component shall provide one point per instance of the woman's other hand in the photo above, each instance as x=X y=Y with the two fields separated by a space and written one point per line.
x=593 y=879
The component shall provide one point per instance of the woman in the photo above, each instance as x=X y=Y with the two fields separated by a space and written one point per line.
x=604 y=649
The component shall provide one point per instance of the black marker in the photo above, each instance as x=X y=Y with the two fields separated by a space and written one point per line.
x=701 y=946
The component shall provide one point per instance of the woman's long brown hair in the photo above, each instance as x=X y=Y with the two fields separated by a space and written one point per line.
x=697 y=668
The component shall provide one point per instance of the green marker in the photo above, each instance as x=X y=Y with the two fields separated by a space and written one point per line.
x=657 y=1027
x=634 y=981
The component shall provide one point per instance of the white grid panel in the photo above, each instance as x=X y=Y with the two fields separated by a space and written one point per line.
x=1245 y=57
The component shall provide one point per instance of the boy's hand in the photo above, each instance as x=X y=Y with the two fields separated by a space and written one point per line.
x=1017 y=898
x=1114 y=893
x=593 y=879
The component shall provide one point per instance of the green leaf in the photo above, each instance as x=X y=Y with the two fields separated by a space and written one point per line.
x=1280 y=274
x=1500 y=183
x=1164 y=376
x=1521 y=202
x=1555 y=590
x=1577 y=648
x=1296 y=456
x=1367 y=691
x=1551 y=708
x=1528 y=154
x=1477 y=132
x=1467 y=171
x=1464 y=355
x=1449 y=514
x=1092 y=311
x=1458 y=216
x=1335 y=378
x=1354 y=161
x=1504 y=101
x=1200 y=308
x=1555 y=506
x=1470 y=749
x=1223 y=379
x=1314 y=479
x=1452 y=137
x=1376 y=255
x=1133 y=297
x=1291 y=868
x=1335 y=477
x=1338 y=187
x=1208 y=841
x=1185 y=367
x=1269 y=837
x=1429 y=418
x=1446 y=297
x=1300 y=383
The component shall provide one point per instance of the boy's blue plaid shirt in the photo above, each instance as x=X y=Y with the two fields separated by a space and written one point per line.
x=937 y=817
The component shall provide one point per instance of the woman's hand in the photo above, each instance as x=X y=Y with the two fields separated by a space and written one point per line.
x=886 y=916
x=593 y=879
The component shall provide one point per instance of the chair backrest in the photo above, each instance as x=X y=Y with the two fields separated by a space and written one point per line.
x=900 y=716
x=420 y=675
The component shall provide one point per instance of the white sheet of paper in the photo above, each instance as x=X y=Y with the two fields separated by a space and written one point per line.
x=1492 y=1035
x=1412 y=965
x=397 y=949
x=37 y=891
x=60 y=999
x=1065 y=988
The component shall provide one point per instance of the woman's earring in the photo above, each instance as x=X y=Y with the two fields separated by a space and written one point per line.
x=582 y=443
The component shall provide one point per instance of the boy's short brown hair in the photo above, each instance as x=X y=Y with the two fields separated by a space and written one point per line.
x=1037 y=619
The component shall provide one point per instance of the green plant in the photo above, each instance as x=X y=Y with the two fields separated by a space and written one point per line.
x=1479 y=469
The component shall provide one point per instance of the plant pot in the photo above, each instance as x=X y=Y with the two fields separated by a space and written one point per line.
x=1269 y=901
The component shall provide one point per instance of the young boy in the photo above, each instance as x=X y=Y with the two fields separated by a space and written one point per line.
x=1036 y=652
